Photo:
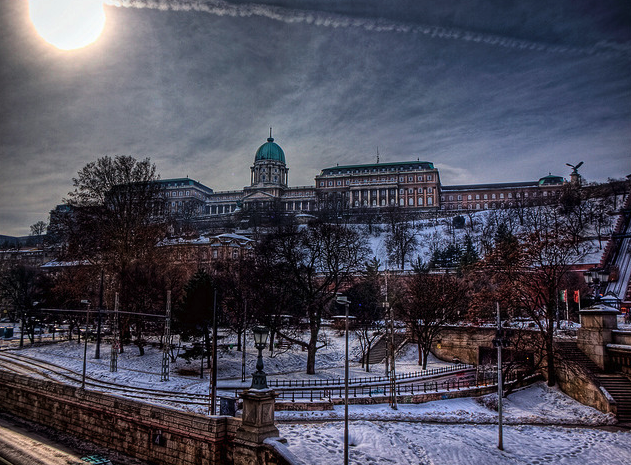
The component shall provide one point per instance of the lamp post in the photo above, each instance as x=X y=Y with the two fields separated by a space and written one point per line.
x=85 y=342
x=596 y=277
x=259 y=380
x=501 y=340
x=343 y=300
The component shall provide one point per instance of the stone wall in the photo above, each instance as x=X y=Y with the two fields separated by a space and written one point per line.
x=463 y=343
x=579 y=385
x=150 y=433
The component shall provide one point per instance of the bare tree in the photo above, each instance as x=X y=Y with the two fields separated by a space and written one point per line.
x=314 y=262
x=402 y=237
x=434 y=300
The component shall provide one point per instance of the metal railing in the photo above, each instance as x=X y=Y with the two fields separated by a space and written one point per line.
x=337 y=392
x=302 y=383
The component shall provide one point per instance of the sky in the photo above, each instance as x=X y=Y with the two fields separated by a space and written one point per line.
x=489 y=91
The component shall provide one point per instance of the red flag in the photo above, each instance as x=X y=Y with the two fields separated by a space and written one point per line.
x=577 y=296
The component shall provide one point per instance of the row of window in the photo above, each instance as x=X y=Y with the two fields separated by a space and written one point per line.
x=377 y=170
x=347 y=182
x=499 y=196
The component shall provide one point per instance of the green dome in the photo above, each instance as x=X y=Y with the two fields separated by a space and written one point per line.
x=270 y=151
x=550 y=179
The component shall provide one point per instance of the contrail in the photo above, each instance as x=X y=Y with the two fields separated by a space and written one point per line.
x=318 y=18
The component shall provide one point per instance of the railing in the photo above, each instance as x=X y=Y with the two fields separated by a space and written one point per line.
x=298 y=383
x=337 y=392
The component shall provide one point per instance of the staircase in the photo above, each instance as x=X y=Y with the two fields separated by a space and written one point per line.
x=570 y=352
x=378 y=350
x=617 y=385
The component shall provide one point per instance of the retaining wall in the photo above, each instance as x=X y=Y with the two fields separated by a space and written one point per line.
x=154 y=434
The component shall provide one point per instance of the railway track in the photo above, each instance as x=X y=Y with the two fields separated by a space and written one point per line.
x=31 y=366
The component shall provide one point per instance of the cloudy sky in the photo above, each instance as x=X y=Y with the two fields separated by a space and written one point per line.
x=488 y=90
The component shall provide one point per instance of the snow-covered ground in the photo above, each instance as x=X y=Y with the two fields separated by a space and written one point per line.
x=385 y=442
x=542 y=425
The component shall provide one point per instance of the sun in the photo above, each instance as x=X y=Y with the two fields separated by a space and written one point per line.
x=68 y=24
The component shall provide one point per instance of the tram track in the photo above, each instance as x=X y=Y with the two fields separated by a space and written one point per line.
x=32 y=366
x=29 y=365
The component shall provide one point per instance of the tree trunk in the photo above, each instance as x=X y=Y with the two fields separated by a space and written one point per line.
x=368 y=357
x=311 y=356
x=420 y=353
x=550 y=360
x=425 y=355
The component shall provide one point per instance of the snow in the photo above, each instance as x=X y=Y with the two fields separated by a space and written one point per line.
x=383 y=442
x=542 y=425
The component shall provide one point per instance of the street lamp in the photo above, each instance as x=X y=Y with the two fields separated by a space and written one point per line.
x=596 y=277
x=259 y=380
x=343 y=300
x=85 y=342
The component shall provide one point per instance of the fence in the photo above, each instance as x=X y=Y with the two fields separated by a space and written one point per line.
x=301 y=383
x=337 y=392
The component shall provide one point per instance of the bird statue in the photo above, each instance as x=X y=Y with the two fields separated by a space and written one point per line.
x=575 y=167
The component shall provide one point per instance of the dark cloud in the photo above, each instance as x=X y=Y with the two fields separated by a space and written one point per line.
x=488 y=91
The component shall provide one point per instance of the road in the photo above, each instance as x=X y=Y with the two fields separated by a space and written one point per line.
x=18 y=446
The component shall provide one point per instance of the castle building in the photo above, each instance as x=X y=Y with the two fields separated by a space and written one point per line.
x=411 y=185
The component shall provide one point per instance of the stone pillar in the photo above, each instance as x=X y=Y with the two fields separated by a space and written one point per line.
x=257 y=424
x=597 y=324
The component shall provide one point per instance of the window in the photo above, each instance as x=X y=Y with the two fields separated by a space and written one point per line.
x=330 y=183
x=411 y=201
x=469 y=197
x=451 y=198
x=321 y=183
x=429 y=177
x=442 y=198
x=215 y=253
x=492 y=196
x=402 y=202
x=339 y=183
x=477 y=206
x=420 y=178
x=486 y=196
x=401 y=191
x=477 y=197
x=429 y=190
x=420 y=201
x=501 y=196
x=410 y=191
x=411 y=178
x=510 y=195
x=401 y=178
x=187 y=193
x=430 y=200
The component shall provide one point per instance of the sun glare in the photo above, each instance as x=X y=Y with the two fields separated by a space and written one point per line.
x=68 y=24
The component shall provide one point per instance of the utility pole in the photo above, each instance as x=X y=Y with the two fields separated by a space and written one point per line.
x=391 y=371
x=499 y=342
x=213 y=389
x=245 y=315
x=115 y=339
x=97 y=351
x=167 y=341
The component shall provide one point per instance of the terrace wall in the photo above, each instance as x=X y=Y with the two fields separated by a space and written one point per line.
x=150 y=433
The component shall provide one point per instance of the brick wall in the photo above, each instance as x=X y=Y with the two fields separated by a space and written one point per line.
x=150 y=433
